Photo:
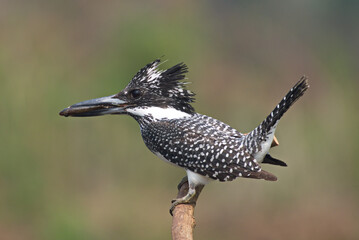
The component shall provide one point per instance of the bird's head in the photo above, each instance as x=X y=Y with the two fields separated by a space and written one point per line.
x=149 y=89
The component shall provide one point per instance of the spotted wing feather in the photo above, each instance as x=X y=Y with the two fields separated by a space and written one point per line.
x=205 y=146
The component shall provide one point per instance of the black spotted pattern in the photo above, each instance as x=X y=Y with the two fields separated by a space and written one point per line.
x=201 y=144
x=212 y=148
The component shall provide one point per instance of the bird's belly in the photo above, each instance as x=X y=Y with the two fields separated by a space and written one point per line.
x=160 y=156
x=197 y=179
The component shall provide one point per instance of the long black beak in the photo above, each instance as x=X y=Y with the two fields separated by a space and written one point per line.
x=96 y=107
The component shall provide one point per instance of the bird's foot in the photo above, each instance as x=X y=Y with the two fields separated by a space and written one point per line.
x=183 y=200
x=176 y=202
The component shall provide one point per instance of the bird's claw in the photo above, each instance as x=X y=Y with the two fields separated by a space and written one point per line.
x=176 y=202
x=173 y=206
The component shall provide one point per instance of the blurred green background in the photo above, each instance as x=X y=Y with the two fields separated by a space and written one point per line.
x=93 y=178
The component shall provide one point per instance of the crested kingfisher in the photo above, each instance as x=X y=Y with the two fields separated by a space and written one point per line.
x=206 y=148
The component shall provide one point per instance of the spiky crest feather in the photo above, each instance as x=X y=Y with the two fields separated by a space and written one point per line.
x=167 y=83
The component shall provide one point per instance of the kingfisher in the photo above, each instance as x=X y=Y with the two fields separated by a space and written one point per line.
x=206 y=148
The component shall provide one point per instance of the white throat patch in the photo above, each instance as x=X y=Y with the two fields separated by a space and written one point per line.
x=158 y=112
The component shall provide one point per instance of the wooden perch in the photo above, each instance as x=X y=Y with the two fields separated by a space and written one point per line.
x=183 y=221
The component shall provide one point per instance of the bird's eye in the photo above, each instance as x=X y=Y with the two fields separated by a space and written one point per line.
x=135 y=93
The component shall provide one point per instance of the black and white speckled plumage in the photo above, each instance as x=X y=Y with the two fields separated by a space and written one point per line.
x=207 y=148
x=199 y=143
x=202 y=145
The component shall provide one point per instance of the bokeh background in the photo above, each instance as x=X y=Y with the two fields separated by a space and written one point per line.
x=93 y=178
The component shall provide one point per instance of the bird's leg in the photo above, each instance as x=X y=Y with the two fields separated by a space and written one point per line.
x=183 y=181
x=187 y=199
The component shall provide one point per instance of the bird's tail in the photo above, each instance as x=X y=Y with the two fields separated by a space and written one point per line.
x=262 y=136
x=292 y=96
